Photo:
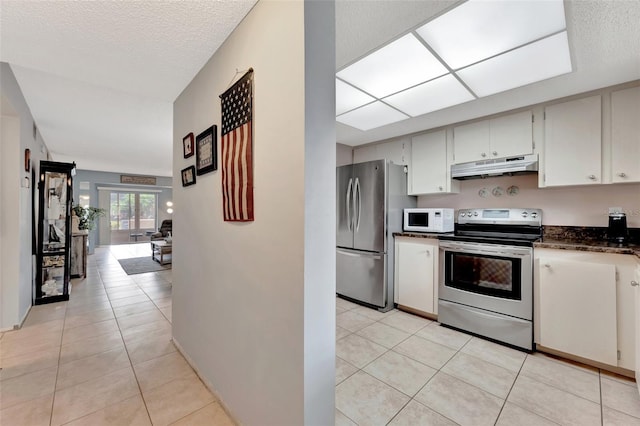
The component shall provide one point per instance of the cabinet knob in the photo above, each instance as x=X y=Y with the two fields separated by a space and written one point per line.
x=483 y=155
x=495 y=152
x=429 y=254
x=546 y=265
x=634 y=283
x=622 y=175
x=592 y=177
x=440 y=188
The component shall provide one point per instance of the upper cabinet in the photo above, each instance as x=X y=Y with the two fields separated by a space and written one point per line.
x=429 y=170
x=573 y=143
x=500 y=137
x=625 y=135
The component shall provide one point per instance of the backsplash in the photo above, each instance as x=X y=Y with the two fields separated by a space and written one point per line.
x=567 y=206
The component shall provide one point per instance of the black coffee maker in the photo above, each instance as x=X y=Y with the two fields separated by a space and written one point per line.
x=617 y=232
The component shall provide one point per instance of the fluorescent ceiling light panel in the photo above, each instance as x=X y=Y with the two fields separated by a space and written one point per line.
x=370 y=116
x=348 y=97
x=479 y=29
x=535 y=62
x=437 y=94
x=395 y=67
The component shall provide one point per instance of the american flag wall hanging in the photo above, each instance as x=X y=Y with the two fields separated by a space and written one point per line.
x=237 y=150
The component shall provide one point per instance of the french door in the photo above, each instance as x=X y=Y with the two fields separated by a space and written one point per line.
x=132 y=216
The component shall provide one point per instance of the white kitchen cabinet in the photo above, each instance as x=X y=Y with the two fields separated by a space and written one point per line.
x=507 y=136
x=429 y=167
x=573 y=143
x=471 y=142
x=625 y=135
x=395 y=150
x=584 y=305
x=511 y=135
x=416 y=276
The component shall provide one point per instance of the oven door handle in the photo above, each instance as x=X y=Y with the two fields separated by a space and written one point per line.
x=490 y=252
x=475 y=250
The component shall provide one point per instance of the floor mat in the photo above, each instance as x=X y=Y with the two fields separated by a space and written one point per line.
x=140 y=265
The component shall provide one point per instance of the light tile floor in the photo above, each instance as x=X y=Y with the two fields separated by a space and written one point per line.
x=399 y=369
x=105 y=357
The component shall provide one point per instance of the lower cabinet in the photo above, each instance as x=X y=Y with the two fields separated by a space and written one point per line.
x=416 y=274
x=584 y=305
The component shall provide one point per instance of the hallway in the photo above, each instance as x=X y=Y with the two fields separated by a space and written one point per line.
x=105 y=357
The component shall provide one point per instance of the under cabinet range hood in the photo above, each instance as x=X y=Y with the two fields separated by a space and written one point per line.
x=522 y=164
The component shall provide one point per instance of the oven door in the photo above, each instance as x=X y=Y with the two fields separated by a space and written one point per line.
x=494 y=277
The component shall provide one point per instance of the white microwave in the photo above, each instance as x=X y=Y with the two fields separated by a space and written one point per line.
x=428 y=220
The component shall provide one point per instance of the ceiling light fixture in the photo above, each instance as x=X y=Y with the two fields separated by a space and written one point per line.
x=395 y=67
x=537 y=61
x=436 y=94
x=477 y=30
x=370 y=116
x=348 y=97
x=486 y=47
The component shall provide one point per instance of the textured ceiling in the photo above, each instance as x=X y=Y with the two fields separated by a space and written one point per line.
x=100 y=77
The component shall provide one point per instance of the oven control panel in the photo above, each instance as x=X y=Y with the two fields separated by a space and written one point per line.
x=529 y=217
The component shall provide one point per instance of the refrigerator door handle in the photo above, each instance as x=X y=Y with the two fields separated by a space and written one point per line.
x=357 y=194
x=349 y=191
x=351 y=254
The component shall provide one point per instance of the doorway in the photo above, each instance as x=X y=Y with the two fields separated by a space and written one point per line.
x=132 y=216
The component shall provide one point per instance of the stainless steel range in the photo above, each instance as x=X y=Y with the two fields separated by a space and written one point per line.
x=486 y=274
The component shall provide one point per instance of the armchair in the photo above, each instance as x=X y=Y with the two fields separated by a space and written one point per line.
x=163 y=231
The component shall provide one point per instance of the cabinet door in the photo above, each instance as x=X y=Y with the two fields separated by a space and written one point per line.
x=573 y=139
x=416 y=259
x=428 y=169
x=625 y=135
x=577 y=308
x=471 y=142
x=626 y=269
x=511 y=135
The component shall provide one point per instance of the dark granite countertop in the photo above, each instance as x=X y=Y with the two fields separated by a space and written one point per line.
x=583 y=238
x=582 y=245
x=421 y=234
x=579 y=238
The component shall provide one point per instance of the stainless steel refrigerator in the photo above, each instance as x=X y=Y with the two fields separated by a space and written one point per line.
x=370 y=204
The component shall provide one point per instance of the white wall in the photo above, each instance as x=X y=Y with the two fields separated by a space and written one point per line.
x=9 y=223
x=344 y=154
x=319 y=213
x=246 y=297
x=16 y=273
x=566 y=206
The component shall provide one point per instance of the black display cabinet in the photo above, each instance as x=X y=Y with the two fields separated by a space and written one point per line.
x=54 y=232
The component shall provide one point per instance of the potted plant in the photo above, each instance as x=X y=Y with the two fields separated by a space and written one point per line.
x=87 y=216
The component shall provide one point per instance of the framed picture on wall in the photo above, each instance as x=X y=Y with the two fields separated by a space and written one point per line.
x=27 y=160
x=187 y=145
x=189 y=176
x=207 y=151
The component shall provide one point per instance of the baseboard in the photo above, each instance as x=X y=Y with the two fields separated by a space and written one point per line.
x=418 y=312
x=19 y=325
x=205 y=381
x=613 y=369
